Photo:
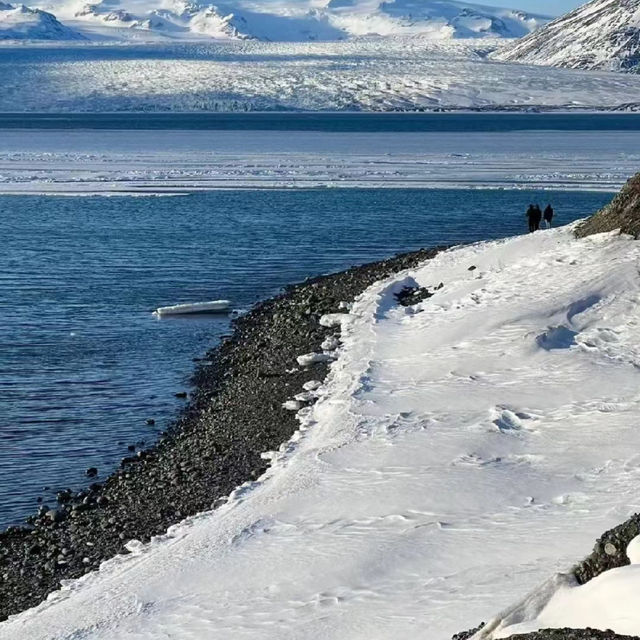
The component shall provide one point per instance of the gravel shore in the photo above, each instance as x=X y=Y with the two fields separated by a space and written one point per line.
x=234 y=414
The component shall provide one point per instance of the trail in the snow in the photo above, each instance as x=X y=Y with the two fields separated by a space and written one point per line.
x=462 y=450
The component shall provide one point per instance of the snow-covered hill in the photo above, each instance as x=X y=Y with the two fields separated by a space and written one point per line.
x=603 y=34
x=22 y=23
x=304 y=20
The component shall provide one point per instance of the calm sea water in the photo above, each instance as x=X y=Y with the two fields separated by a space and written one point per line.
x=329 y=122
x=83 y=363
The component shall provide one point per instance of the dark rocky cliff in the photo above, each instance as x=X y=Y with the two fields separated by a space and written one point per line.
x=622 y=213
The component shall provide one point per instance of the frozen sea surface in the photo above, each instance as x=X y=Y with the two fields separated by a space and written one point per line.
x=81 y=161
x=460 y=452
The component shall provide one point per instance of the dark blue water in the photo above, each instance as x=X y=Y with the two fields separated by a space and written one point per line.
x=83 y=363
x=330 y=122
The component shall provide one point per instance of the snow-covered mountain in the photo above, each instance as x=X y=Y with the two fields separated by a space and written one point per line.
x=292 y=20
x=603 y=34
x=23 y=23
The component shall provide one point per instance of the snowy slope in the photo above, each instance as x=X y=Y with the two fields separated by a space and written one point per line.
x=21 y=23
x=603 y=34
x=461 y=451
x=300 y=20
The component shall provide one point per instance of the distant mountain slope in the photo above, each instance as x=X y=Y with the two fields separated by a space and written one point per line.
x=22 y=23
x=603 y=34
x=295 y=20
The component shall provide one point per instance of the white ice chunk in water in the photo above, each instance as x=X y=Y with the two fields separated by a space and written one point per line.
x=214 y=306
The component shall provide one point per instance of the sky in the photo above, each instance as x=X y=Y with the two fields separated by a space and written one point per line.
x=546 y=7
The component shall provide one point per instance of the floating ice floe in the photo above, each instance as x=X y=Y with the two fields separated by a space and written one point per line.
x=214 y=306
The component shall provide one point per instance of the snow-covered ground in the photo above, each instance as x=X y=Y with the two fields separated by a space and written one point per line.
x=375 y=74
x=462 y=450
x=73 y=162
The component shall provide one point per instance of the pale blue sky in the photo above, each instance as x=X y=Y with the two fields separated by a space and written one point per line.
x=547 y=7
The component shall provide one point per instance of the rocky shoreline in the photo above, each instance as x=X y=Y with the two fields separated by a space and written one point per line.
x=235 y=413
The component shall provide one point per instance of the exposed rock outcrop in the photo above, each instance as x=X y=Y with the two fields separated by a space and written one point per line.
x=622 y=213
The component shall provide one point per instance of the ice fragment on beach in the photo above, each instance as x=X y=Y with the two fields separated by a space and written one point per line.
x=313 y=358
x=291 y=405
x=331 y=343
x=331 y=320
x=305 y=396
x=312 y=385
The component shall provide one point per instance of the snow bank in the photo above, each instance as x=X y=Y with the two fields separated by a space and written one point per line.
x=451 y=462
x=609 y=601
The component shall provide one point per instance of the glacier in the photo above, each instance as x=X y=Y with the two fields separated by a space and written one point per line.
x=370 y=74
x=451 y=463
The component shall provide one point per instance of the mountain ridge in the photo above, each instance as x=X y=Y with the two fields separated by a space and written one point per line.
x=602 y=35
x=293 y=21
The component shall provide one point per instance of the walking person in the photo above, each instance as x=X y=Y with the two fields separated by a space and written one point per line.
x=538 y=217
x=548 y=216
x=531 y=218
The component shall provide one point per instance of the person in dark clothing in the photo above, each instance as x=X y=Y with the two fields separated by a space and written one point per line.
x=532 y=217
x=538 y=218
x=548 y=216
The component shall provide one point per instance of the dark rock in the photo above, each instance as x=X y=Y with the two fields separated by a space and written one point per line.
x=610 y=551
x=181 y=394
x=91 y=472
x=573 y=634
x=151 y=422
x=622 y=213
x=413 y=295
x=465 y=635
x=64 y=496
x=55 y=515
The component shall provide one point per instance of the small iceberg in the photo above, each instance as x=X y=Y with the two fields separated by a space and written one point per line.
x=215 y=306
